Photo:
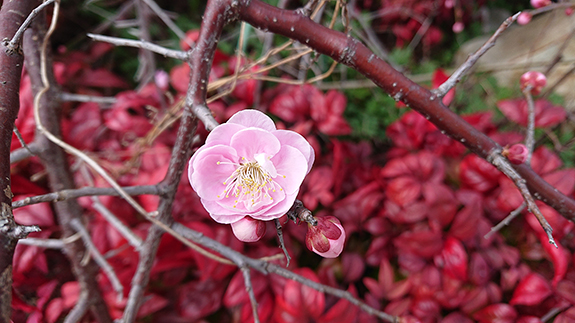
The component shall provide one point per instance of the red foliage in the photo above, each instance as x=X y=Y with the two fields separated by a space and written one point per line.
x=415 y=215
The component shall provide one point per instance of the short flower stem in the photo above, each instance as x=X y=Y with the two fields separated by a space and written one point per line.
x=281 y=240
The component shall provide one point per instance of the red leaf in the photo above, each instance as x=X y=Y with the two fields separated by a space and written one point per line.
x=425 y=308
x=54 y=310
x=180 y=77
x=479 y=270
x=425 y=243
x=478 y=174
x=453 y=259
x=80 y=130
x=412 y=213
x=293 y=104
x=546 y=114
x=409 y=131
x=496 y=313
x=464 y=225
x=566 y=317
x=193 y=307
x=532 y=289
x=545 y=161
x=45 y=293
x=563 y=180
x=403 y=190
x=342 y=311
x=529 y=319
x=70 y=292
x=155 y=303
x=456 y=317
x=566 y=289
x=559 y=256
x=100 y=78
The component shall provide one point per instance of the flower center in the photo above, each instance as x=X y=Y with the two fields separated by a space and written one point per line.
x=250 y=184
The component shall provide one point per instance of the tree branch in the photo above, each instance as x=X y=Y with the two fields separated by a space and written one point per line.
x=47 y=108
x=351 y=52
x=266 y=268
x=12 y=15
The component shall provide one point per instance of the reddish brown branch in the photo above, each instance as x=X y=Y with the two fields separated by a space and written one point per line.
x=351 y=52
x=58 y=170
x=12 y=15
x=217 y=14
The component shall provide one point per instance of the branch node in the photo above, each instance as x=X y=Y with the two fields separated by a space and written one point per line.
x=299 y=212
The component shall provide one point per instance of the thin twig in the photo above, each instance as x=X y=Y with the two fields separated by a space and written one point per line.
x=22 y=142
x=249 y=288
x=506 y=221
x=281 y=240
x=472 y=59
x=24 y=153
x=559 y=54
x=267 y=268
x=85 y=191
x=132 y=238
x=75 y=223
x=504 y=166
x=530 y=132
x=72 y=97
x=166 y=52
x=162 y=15
x=79 y=309
x=43 y=243
x=423 y=29
x=558 y=82
x=14 y=44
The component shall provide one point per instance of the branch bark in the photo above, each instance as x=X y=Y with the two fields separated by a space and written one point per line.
x=57 y=168
x=12 y=15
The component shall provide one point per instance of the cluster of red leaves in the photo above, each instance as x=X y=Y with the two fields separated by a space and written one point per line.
x=415 y=222
x=427 y=19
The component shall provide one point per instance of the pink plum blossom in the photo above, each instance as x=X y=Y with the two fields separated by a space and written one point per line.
x=249 y=168
x=327 y=238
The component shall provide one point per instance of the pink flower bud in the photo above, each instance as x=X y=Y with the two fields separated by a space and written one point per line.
x=535 y=79
x=569 y=11
x=327 y=238
x=524 y=18
x=458 y=27
x=449 y=4
x=540 y=3
x=248 y=229
x=517 y=154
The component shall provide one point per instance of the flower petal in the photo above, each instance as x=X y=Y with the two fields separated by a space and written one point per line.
x=251 y=141
x=291 y=166
x=294 y=139
x=277 y=210
x=253 y=118
x=221 y=214
x=209 y=184
x=223 y=134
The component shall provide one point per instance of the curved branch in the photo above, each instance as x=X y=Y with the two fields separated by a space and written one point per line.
x=351 y=52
